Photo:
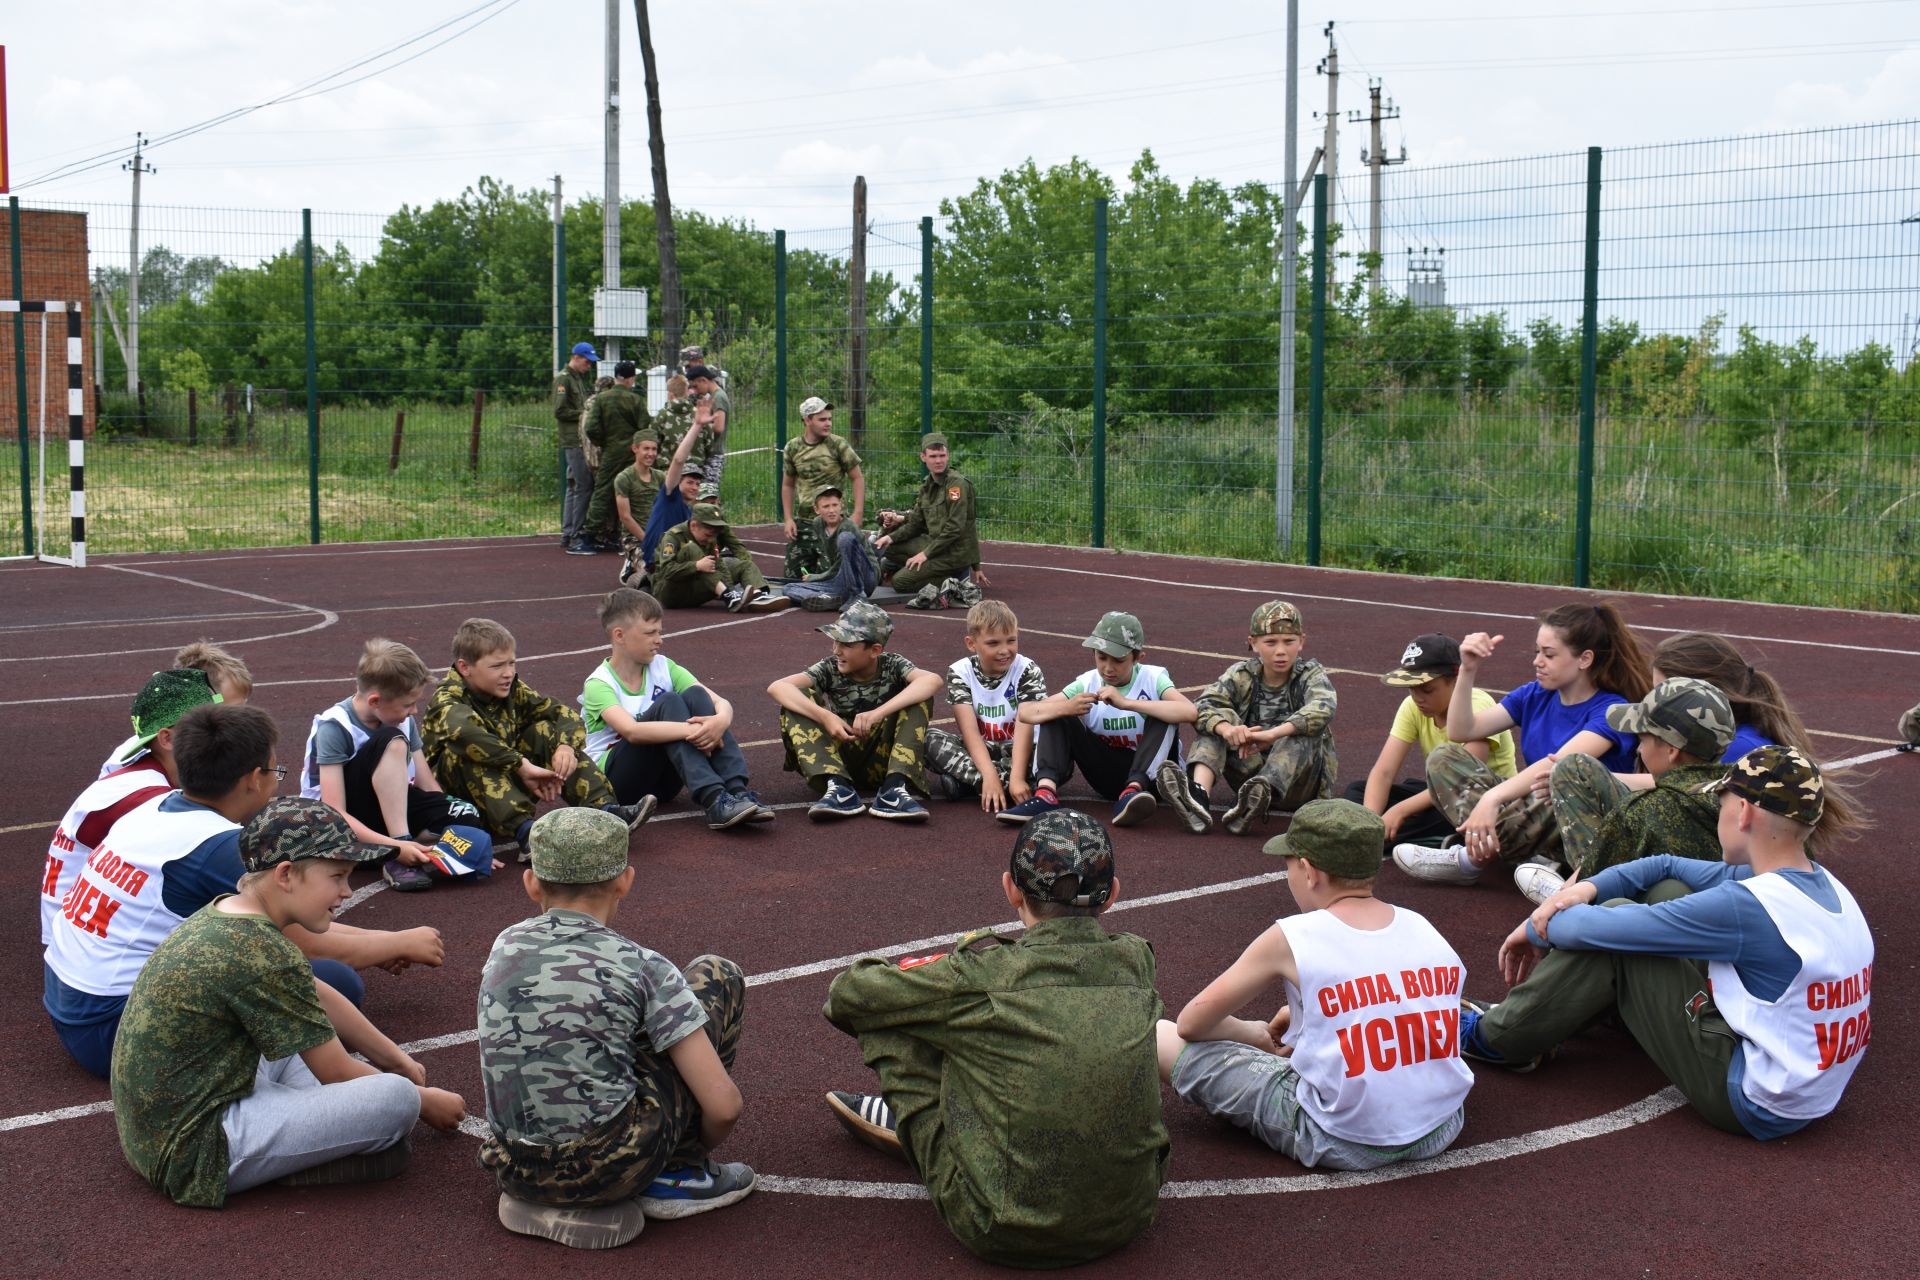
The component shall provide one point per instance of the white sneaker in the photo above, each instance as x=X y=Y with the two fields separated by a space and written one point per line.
x=1437 y=866
x=1537 y=882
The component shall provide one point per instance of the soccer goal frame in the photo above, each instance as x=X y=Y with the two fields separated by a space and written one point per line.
x=32 y=514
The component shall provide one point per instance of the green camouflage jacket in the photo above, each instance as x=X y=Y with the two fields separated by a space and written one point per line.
x=612 y=418
x=821 y=559
x=678 y=555
x=571 y=391
x=462 y=725
x=813 y=467
x=1666 y=818
x=1240 y=696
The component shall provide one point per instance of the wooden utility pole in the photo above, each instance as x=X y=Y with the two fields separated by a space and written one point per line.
x=138 y=166
x=673 y=318
x=857 y=318
x=1376 y=159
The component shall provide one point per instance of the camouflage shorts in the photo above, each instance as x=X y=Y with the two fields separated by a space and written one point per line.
x=1298 y=769
x=1526 y=826
x=659 y=1126
x=897 y=744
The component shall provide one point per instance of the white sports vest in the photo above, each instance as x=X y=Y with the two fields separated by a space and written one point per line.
x=1801 y=1049
x=69 y=851
x=1114 y=725
x=310 y=767
x=122 y=756
x=993 y=706
x=113 y=915
x=1376 y=1027
x=659 y=680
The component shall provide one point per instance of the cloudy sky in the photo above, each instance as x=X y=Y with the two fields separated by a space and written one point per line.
x=772 y=106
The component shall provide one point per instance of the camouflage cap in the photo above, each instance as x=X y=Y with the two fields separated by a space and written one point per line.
x=1277 y=618
x=1427 y=658
x=694 y=469
x=294 y=828
x=578 y=846
x=1687 y=714
x=709 y=493
x=862 y=623
x=698 y=353
x=1778 y=779
x=1118 y=635
x=641 y=437
x=709 y=514
x=1065 y=857
x=166 y=697
x=812 y=405
x=830 y=491
x=1338 y=836
x=933 y=440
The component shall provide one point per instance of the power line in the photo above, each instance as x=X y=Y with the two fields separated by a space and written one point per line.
x=1534 y=15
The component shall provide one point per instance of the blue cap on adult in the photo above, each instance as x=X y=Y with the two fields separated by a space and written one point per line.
x=586 y=349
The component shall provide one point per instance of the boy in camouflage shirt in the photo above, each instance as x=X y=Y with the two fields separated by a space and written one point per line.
x=830 y=565
x=1265 y=726
x=1684 y=726
x=605 y=1067
x=991 y=755
x=1018 y=1077
x=497 y=743
x=858 y=720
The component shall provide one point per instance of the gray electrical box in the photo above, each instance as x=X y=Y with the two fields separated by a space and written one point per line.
x=620 y=313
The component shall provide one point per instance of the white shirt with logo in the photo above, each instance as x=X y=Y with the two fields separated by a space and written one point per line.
x=1118 y=726
x=993 y=705
x=75 y=839
x=636 y=703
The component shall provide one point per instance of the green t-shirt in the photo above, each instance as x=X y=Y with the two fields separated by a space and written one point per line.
x=639 y=493
x=222 y=992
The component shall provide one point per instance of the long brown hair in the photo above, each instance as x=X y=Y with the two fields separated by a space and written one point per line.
x=1758 y=700
x=1619 y=659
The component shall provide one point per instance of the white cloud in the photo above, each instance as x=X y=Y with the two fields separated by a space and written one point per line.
x=1891 y=93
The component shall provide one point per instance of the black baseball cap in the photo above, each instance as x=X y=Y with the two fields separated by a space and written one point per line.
x=1429 y=657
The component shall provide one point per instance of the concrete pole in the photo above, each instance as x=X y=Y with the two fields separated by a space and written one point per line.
x=1330 y=149
x=138 y=166
x=1289 y=294
x=559 y=302
x=610 y=217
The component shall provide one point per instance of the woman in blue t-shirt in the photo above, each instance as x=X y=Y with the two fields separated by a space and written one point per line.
x=1585 y=660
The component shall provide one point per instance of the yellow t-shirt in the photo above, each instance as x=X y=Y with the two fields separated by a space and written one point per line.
x=1410 y=726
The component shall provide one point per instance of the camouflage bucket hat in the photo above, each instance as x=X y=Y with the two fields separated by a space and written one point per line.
x=1277 y=618
x=1118 y=635
x=578 y=846
x=709 y=514
x=1778 y=779
x=1687 y=714
x=1338 y=836
x=294 y=828
x=1064 y=857
x=166 y=697
x=862 y=623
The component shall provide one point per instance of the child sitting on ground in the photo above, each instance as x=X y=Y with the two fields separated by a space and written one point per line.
x=1117 y=722
x=365 y=759
x=653 y=727
x=228 y=1074
x=1017 y=1076
x=1361 y=1067
x=494 y=741
x=1427 y=670
x=605 y=1068
x=634 y=491
x=1586 y=659
x=703 y=560
x=1265 y=726
x=858 y=720
x=832 y=563
x=227 y=676
x=992 y=754
x=1750 y=993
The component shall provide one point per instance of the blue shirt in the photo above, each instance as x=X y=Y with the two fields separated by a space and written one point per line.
x=669 y=509
x=212 y=868
x=1745 y=739
x=1715 y=922
x=1546 y=724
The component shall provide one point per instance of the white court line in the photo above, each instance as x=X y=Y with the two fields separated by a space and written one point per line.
x=268 y=553
x=151 y=620
x=372 y=608
x=327 y=619
x=1871 y=756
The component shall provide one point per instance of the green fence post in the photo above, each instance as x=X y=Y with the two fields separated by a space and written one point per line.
x=1317 y=370
x=926 y=325
x=20 y=383
x=313 y=381
x=779 y=365
x=1100 y=372
x=560 y=344
x=1589 y=363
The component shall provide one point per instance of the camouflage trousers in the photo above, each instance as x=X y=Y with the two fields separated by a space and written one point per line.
x=1298 y=769
x=805 y=555
x=947 y=753
x=602 y=515
x=698 y=589
x=502 y=797
x=659 y=1126
x=1584 y=793
x=1527 y=826
x=897 y=744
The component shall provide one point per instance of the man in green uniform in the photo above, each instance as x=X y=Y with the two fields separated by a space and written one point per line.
x=612 y=419
x=702 y=560
x=572 y=387
x=675 y=419
x=1019 y=1077
x=817 y=459
x=935 y=539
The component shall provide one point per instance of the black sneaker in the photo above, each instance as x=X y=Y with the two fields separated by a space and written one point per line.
x=1183 y=797
x=735 y=599
x=729 y=811
x=582 y=547
x=867 y=1117
x=950 y=788
x=636 y=814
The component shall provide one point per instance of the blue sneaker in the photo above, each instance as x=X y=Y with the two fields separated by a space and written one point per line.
x=897 y=804
x=840 y=801
x=1135 y=806
x=1476 y=1049
x=762 y=812
x=686 y=1189
x=1021 y=814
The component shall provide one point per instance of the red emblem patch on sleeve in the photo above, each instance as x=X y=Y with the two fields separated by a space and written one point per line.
x=914 y=962
x=953 y=493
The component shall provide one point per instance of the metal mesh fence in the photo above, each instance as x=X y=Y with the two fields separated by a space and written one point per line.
x=1684 y=368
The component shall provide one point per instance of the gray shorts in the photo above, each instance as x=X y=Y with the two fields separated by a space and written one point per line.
x=1258 y=1091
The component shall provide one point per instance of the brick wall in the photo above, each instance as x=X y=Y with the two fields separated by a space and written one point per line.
x=53 y=267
